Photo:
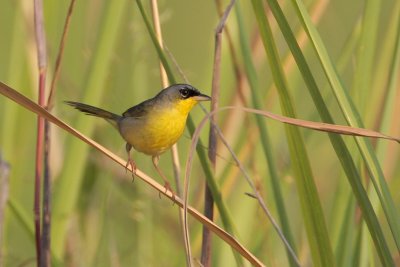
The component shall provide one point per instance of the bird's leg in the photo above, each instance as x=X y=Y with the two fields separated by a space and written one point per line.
x=130 y=161
x=167 y=186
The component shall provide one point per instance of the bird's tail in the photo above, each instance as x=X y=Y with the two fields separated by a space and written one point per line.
x=97 y=112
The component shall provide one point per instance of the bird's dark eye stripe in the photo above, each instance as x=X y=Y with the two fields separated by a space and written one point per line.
x=186 y=92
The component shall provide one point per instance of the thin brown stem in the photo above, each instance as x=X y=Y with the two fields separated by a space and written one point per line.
x=57 y=70
x=212 y=152
x=45 y=257
x=157 y=28
x=239 y=74
x=42 y=247
x=165 y=83
x=38 y=174
x=46 y=226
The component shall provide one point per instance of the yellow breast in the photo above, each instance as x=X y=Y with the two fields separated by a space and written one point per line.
x=155 y=133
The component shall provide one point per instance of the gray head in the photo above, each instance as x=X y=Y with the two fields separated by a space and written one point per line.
x=184 y=93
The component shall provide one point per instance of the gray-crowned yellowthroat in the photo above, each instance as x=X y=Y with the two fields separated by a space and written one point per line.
x=154 y=125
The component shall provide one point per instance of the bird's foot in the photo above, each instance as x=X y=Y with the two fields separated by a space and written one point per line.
x=167 y=187
x=131 y=163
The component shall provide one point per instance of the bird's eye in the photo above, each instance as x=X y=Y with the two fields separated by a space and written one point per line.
x=184 y=93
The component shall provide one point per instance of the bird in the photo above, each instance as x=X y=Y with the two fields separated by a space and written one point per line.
x=153 y=126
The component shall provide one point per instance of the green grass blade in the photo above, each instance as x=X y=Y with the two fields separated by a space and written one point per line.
x=341 y=150
x=365 y=147
x=265 y=139
x=365 y=58
x=317 y=234
x=68 y=186
x=394 y=58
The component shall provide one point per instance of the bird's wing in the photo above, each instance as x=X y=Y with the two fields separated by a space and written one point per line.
x=139 y=110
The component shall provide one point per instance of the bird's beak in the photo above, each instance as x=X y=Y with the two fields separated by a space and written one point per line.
x=202 y=97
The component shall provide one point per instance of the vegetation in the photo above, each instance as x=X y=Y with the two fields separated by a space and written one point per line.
x=335 y=198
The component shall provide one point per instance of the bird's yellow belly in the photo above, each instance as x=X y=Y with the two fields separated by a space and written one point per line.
x=154 y=135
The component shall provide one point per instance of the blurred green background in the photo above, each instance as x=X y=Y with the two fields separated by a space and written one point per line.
x=101 y=218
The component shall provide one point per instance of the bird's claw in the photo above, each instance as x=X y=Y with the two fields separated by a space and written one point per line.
x=167 y=187
x=131 y=163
